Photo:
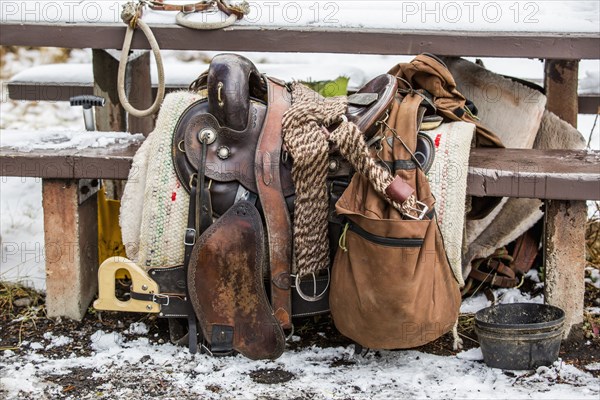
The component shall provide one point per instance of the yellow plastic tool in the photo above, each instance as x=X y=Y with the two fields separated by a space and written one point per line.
x=111 y=270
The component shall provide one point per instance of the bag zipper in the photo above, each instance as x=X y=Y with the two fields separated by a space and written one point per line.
x=384 y=241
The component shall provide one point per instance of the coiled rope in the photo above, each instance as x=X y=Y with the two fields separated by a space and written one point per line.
x=131 y=15
x=307 y=141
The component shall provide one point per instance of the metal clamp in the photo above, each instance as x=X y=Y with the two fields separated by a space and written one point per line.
x=315 y=296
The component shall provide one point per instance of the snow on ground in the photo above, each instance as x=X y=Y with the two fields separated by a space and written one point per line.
x=128 y=366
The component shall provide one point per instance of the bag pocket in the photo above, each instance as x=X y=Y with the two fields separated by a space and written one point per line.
x=392 y=291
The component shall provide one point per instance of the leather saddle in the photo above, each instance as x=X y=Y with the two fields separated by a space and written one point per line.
x=229 y=155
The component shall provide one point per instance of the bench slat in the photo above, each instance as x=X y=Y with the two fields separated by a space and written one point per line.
x=60 y=82
x=112 y=162
x=312 y=39
x=542 y=174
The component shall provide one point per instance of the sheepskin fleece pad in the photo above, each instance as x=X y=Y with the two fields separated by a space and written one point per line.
x=517 y=216
x=516 y=113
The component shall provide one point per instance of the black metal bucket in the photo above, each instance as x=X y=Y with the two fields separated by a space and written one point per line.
x=519 y=335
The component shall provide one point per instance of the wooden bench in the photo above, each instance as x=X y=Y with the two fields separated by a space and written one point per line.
x=349 y=33
x=561 y=177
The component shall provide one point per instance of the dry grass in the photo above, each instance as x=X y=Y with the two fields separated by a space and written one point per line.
x=20 y=305
x=45 y=55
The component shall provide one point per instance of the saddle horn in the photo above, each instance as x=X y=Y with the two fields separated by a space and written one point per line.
x=230 y=81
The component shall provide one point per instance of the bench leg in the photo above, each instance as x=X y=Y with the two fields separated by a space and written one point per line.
x=564 y=258
x=71 y=248
x=564 y=241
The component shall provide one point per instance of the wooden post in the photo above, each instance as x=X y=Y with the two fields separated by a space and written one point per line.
x=561 y=80
x=564 y=238
x=71 y=249
x=112 y=117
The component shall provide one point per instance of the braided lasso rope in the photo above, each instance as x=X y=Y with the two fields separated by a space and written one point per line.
x=131 y=16
x=307 y=142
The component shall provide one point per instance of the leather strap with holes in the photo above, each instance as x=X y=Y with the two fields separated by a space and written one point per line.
x=277 y=219
x=204 y=5
x=160 y=5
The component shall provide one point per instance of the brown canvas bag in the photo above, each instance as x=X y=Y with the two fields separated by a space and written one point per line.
x=392 y=286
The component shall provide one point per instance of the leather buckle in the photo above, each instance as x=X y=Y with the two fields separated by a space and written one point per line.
x=157 y=297
x=421 y=213
x=190 y=237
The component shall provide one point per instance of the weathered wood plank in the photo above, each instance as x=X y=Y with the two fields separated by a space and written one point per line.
x=112 y=116
x=589 y=104
x=52 y=91
x=71 y=249
x=564 y=258
x=312 y=39
x=544 y=174
x=564 y=236
x=561 y=81
x=113 y=162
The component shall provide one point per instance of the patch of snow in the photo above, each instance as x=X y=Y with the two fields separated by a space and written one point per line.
x=533 y=275
x=180 y=74
x=474 y=354
x=57 y=73
x=475 y=303
x=26 y=141
x=59 y=341
x=594 y=278
x=137 y=328
x=593 y=310
x=590 y=83
x=106 y=341
x=36 y=346
x=593 y=366
x=318 y=373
